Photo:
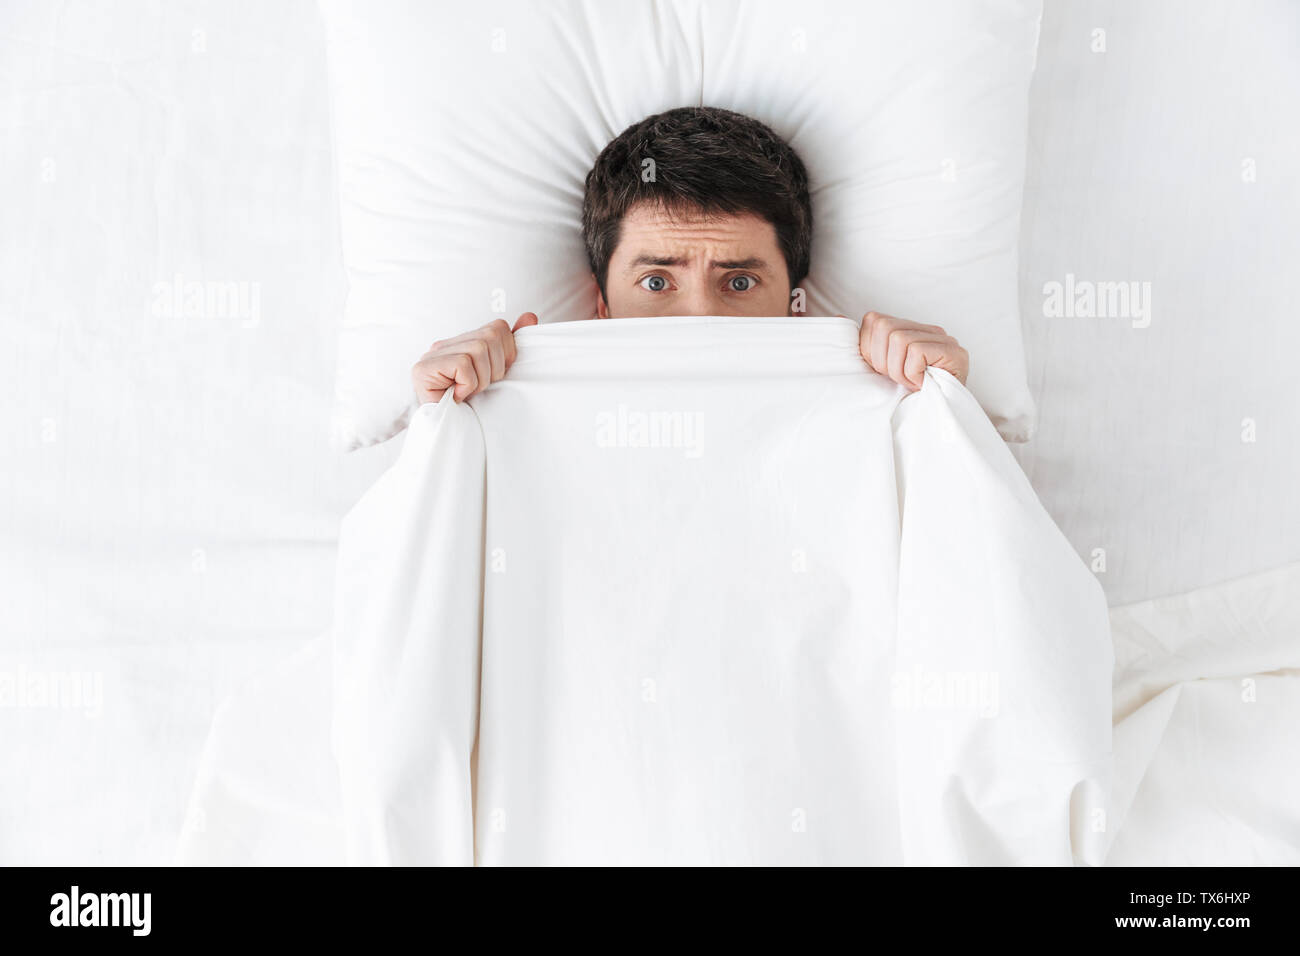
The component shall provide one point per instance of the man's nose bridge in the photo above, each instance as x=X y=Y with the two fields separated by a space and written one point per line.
x=701 y=297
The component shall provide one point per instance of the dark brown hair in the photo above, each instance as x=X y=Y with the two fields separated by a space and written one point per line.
x=706 y=160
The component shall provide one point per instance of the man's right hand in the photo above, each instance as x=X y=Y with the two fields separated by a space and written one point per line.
x=468 y=363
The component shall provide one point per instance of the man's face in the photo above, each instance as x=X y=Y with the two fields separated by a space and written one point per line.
x=695 y=265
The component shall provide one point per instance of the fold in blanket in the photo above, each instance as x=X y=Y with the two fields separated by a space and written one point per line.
x=709 y=591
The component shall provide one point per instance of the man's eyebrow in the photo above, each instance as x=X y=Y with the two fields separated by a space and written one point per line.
x=753 y=262
x=645 y=259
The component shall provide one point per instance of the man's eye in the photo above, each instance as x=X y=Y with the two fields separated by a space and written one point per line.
x=654 y=283
x=741 y=283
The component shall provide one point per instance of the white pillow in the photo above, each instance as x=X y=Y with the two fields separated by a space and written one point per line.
x=464 y=134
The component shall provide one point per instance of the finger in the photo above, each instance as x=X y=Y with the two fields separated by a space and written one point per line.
x=915 y=363
x=506 y=337
x=497 y=352
x=427 y=382
x=495 y=338
x=874 y=344
x=479 y=353
x=873 y=319
x=523 y=322
x=502 y=344
x=949 y=356
x=466 y=376
x=427 y=393
x=877 y=351
x=945 y=355
x=508 y=345
x=902 y=343
x=864 y=336
x=443 y=345
x=938 y=353
x=899 y=340
x=468 y=368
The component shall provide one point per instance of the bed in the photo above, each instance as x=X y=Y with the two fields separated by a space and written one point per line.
x=173 y=497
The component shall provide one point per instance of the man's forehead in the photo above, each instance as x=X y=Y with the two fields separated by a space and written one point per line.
x=645 y=218
x=652 y=237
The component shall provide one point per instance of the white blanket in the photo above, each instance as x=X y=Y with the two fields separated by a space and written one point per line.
x=700 y=590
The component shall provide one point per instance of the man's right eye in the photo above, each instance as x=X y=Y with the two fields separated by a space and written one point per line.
x=654 y=283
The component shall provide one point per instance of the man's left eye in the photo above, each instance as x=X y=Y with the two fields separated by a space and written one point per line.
x=741 y=283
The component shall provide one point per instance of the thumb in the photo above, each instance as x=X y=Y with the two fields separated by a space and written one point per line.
x=528 y=318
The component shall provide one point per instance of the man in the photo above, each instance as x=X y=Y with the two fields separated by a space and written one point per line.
x=694 y=211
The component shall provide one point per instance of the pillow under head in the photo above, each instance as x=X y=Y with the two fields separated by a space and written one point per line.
x=464 y=134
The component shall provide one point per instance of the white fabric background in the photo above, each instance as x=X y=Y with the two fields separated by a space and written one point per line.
x=1135 y=173
x=170 y=503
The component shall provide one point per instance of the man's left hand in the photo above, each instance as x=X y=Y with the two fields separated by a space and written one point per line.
x=901 y=350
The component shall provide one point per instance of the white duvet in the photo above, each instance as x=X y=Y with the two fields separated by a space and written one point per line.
x=709 y=591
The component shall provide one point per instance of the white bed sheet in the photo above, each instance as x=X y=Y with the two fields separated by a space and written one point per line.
x=706 y=590
x=1202 y=775
x=1207 y=705
x=169 y=502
